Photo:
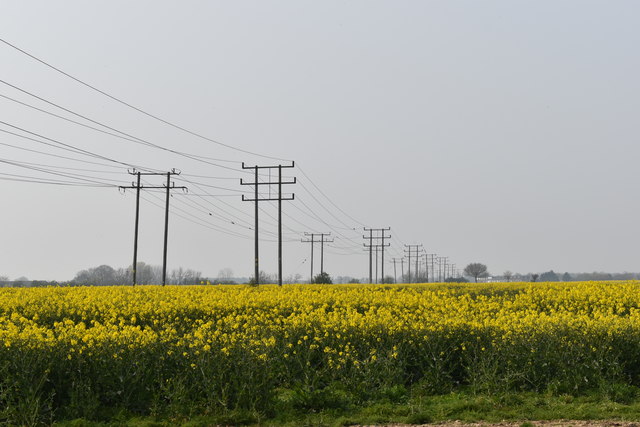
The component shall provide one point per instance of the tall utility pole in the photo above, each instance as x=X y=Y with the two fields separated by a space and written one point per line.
x=138 y=186
x=382 y=236
x=442 y=265
x=322 y=242
x=401 y=261
x=409 y=252
x=312 y=242
x=429 y=258
x=257 y=199
x=370 y=246
x=395 y=275
x=376 y=246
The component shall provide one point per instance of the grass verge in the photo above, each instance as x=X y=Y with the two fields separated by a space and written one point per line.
x=463 y=406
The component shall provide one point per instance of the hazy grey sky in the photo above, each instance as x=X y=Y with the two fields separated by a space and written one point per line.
x=504 y=132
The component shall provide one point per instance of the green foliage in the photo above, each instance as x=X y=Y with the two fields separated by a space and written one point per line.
x=465 y=406
x=476 y=270
x=323 y=278
x=549 y=276
x=264 y=278
x=456 y=280
x=392 y=374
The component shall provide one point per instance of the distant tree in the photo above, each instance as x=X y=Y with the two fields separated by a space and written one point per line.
x=102 y=275
x=353 y=281
x=507 y=276
x=476 y=270
x=226 y=274
x=534 y=277
x=21 y=281
x=293 y=278
x=584 y=277
x=566 y=277
x=42 y=283
x=549 y=276
x=456 y=280
x=264 y=278
x=183 y=276
x=323 y=278
x=388 y=280
x=123 y=276
x=4 y=278
x=147 y=274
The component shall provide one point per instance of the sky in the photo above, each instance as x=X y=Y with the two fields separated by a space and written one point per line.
x=501 y=132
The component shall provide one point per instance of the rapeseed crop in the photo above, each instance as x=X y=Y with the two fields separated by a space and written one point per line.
x=71 y=352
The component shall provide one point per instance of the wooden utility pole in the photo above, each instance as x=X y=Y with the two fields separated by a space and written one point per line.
x=371 y=246
x=138 y=186
x=258 y=199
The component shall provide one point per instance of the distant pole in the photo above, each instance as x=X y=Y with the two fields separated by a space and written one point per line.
x=395 y=276
x=402 y=267
x=135 y=239
x=432 y=267
x=409 y=252
x=370 y=255
x=321 y=253
x=382 y=237
x=256 y=263
x=429 y=260
x=311 y=281
x=376 y=246
x=312 y=244
x=280 y=225
x=381 y=245
x=166 y=232
x=322 y=242
x=444 y=260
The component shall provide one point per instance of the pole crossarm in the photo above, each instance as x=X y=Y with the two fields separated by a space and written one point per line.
x=272 y=199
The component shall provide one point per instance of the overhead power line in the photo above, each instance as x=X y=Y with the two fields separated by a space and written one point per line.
x=126 y=136
x=140 y=110
x=64 y=146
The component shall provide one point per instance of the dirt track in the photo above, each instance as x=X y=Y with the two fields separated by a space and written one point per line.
x=557 y=423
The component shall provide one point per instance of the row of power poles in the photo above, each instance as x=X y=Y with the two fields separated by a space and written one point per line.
x=258 y=197
x=435 y=268
x=427 y=267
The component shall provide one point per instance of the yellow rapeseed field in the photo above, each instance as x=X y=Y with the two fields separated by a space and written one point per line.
x=73 y=350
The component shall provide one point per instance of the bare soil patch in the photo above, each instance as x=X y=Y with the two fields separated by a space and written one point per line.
x=555 y=423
